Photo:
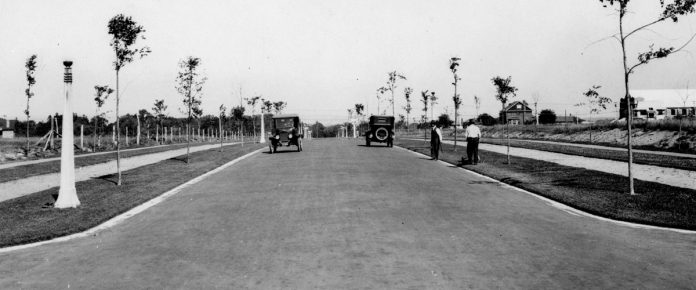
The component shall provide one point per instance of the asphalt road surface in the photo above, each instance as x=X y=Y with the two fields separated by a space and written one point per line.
x=342 y=216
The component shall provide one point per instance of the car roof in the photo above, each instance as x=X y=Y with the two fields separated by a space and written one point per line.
x=286 y=116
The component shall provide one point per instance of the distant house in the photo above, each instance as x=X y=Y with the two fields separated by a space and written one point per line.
x=568 y=119
x=7 y=128
x=516 y=113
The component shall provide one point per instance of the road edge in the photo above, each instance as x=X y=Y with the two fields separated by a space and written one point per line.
x=561 y=206
x=133 y=211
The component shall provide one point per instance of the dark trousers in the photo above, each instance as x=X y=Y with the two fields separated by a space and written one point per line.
x=435 y=149
x=472 y=150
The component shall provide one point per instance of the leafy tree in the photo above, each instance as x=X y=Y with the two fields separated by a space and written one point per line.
x=594 y=102
x=252 y=102
x=30 y=65
x=102 y=93
x=279 y=107
x=407 y=94
x=672 y=11
x=486 y=119
x=221 y=120
x=190 y=86
x=454 y=63
x=380 y=94
x=425 y=97
x=433 y=101
x=267 y=106
x=125 y=32
x=505 y=91
x=392 y=78
x=444 y=121
x=547 y=116
x=159 y=110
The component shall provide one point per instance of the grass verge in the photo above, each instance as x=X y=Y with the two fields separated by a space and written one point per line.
x=32 y=218
x=598 y=193
x=24 y=171
x=638 y=158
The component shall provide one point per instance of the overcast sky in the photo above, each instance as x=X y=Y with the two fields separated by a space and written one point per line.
x=322 y=57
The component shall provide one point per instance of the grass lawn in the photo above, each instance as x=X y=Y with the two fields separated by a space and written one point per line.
x=24 y=171
x=599 y=193
x=32 y=218
x=639 y=158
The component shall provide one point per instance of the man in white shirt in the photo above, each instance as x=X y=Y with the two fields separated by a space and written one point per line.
x=472 y=135
x=435 y=142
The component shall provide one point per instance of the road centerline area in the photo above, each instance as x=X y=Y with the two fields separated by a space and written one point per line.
x=340 y=215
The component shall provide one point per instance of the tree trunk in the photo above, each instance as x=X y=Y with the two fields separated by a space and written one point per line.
x=629 y=110
x=118 y=134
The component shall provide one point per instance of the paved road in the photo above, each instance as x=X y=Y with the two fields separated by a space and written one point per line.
x=343 y=216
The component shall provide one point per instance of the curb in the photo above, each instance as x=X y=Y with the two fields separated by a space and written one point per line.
x=562 y=206
x=131 y=212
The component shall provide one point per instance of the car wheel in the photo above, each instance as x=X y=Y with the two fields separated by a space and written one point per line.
x=367 y=143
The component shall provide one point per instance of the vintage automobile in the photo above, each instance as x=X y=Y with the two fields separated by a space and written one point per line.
x=286 y=130
x=381 y=130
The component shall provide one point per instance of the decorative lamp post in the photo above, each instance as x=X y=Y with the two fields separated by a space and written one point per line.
x=67 y=195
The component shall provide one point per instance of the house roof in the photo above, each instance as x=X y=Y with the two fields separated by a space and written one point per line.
x=285 y=116
x=511 y=107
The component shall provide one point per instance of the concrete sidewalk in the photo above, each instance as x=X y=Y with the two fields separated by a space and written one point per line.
x=20 y=187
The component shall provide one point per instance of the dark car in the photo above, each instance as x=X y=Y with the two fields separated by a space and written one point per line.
x=286 y=130
x=381 y=130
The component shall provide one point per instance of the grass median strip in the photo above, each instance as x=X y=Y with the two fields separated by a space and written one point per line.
x=598 y=193
x=29 y=170
x=32 y=218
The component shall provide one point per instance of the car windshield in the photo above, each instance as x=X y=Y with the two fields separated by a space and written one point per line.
x=286 y=123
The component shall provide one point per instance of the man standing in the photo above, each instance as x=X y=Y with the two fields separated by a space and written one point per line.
x=472 y=134
x=435 y=142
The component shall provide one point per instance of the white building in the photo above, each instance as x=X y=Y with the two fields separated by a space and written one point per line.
x=662 y=104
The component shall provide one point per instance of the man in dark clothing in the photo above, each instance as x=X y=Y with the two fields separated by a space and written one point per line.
x=435 y=142
x=472 y=134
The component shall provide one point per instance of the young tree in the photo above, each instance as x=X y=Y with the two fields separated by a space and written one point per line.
x=279 y=107
x=267 y=106
x=30 y=65
x=594 y=103
x=425 y=97
x=433 y=101
x=454 y=63
x=407 y=94
x=505 y=91
x=125 y=32
x=238 y=115
x=102 y=93
x=360 y=111
x=252 y=102
x=672 y=11
x=190 y=86
x=159 y=110
x=477 y=104
x=380 y=94
x=220 y=120
x=392 y=78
